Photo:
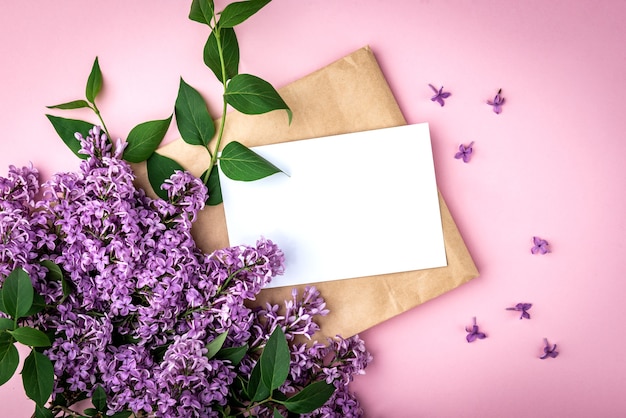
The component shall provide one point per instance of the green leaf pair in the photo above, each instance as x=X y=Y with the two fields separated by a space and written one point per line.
x=203 y=11
x=99 y=401
x=67 y=128
x=17 y=298
x=272 y=370
x=142 y=140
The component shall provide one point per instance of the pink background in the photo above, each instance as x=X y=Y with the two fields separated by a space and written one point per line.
x=552 y=165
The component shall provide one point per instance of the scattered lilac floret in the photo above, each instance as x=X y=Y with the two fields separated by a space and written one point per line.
x=497 y=102
x=541 y=246
x=474 y=333
x=439 y=95
x=523 y=308
x=549 y=351
x=465 y=152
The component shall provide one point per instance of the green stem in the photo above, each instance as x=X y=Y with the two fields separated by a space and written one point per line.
x=104 y=127
x=220 y=134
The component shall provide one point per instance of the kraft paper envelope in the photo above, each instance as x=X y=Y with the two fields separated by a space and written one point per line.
x=348 y=95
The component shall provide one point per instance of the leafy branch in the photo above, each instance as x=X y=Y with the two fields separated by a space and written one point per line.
x=244 y=92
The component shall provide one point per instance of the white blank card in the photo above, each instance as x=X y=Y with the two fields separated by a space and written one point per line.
x=352 y=205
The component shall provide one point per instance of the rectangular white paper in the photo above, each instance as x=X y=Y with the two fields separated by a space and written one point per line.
x=351 y=205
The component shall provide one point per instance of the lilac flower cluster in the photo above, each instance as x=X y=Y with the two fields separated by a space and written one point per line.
x=336 y=362
x=139 y=301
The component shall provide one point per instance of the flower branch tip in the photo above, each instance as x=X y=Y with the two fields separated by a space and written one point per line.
x=465 y=152
x=497 y=102
x=439 y=95
x=549 y=350
x=523 y=308
x=540 y=246
x=474 y=333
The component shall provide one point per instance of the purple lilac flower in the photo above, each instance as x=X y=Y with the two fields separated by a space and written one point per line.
x=465 y=152
x=523 y=308
x=497 y=102
x=186 y=373
x=474 y=333
x=439 y=95
x=548 y=350
x=540 y=246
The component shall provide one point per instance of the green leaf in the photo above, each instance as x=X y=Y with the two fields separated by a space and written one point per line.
x=233 y=354
x=31 y=337
x=236 y=13
x=230 y=52
x=38 y=377
x=194 y=122
x=239 y=162
x=2 y=308
x=144 y=139
x=252 y=95
x=160 y=168
x=94 y=82
x=122 y=414
x=91 y=412
x=54 y=271
x=9 y=358
x=56 y=274
x=202 y=11
x=310 y=398
x=214 y=187
x=99 y=399
x=42 y=412
x=216 y=345
x=75 y=104
x=67 y=128
x=17 y=293
x=39 y=304
x=277 y=414
x=257 y=390
x=6 y=324
x=275 y=360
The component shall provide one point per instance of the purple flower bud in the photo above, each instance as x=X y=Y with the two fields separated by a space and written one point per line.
x=465 y=152
x=548 y=350
x=523 y=308
x=497 y=102
x=439 y=95
x=540 y=246
x=474 y=333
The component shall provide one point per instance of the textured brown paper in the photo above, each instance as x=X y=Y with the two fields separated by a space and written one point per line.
x=348 y=95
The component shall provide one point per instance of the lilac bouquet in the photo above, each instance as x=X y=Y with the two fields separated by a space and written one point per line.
x=119 y=305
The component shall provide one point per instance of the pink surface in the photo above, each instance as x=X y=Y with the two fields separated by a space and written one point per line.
x=550 y=165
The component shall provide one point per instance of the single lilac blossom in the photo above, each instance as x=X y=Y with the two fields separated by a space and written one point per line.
x=549 y=351
x=474 y=332
x=523 y=308
x=439 y=95
x=465 y=152
x=497 y=102
x=540 y=246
